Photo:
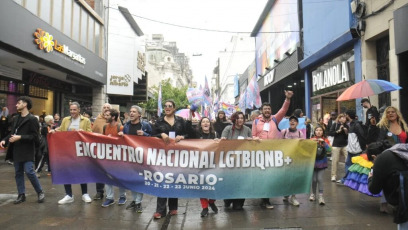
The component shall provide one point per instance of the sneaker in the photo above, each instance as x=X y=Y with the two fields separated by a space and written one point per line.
x=122 y=200
x=41 y=197
x=333 y=179
x=86 y=198
x=98 y=196
x=173 y=212
x=139 y=208
x=108 y=202
x=312 y=197
x=157 y=215
x=38 y=175
x=214 y=207
x=339 y=182
x=269 y=206
x=66 y=200
x=293 y=201
x=286 y=198
x=321 y=199
x=132 y=205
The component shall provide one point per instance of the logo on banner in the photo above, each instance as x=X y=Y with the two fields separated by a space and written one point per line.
x=46 y=42
x=268 y=79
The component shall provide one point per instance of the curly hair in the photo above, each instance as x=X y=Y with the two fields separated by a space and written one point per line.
x=385 y=123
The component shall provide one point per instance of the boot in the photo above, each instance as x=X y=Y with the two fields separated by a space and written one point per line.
x=20 y=199
x=214 y=207
x=204 y=212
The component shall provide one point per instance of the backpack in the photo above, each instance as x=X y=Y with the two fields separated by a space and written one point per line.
x=286 y=132
x=402 y=191
x=273 y=119
x=104 y=127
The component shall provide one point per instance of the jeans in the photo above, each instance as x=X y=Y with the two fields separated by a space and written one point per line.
x=137 y=197
x=161 y=205
x=110 y=193
x=317 y=181
x=68 y=189
x=28 y=168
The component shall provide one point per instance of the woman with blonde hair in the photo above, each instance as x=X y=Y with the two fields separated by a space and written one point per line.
x=339 y=131
x=392 y=126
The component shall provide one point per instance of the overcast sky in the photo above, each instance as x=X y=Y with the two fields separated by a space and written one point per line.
x=225 y=15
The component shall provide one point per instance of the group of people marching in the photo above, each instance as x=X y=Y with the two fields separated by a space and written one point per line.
x=349 y=138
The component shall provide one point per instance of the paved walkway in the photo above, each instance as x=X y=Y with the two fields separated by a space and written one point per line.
x=344 y=209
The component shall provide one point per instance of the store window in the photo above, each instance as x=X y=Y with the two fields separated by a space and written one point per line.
x=11 y=87
x=383 y=68
x=34 y=91
x=84 y=28
x=76 y=25
x=329 y=81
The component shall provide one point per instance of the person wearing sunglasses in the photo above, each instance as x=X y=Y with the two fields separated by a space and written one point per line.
x=169 y=127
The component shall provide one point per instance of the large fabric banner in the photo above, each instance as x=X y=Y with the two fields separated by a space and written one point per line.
x=187 y=169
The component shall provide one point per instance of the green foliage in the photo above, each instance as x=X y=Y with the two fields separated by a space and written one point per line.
x=178 y=94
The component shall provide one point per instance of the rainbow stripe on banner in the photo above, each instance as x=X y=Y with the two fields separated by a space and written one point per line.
x=187 y=169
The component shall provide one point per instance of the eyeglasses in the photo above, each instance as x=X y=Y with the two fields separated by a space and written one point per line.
x=168 y=106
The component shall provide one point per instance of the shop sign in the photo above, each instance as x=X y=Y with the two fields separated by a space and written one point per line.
x=120 y=83
x=141 y=61
x=269 y=77
x=332 y=76
x=123 y=81
x=46 y=42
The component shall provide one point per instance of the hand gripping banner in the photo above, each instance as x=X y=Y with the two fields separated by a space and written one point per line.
x=187 y=169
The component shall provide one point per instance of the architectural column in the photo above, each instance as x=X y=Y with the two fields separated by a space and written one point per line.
x=99 y=98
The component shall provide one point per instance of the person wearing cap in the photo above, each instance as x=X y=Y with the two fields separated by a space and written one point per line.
x=292 y=133
x=371 y=111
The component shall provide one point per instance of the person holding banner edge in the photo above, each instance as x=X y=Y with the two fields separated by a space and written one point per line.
x=74 y=122
x=263 y=128
x=169 y=127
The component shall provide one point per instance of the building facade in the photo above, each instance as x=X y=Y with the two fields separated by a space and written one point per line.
x=126 y=74
x=332 y=57
x=384 y=47
x=278 y=51
x=163 y=61
x=54 y=53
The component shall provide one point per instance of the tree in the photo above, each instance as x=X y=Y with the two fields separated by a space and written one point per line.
x=177 y=94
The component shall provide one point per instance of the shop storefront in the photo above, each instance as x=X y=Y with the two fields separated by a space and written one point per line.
x=329 y=80
x=42 y=62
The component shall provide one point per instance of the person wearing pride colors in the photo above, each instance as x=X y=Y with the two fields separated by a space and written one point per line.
x=320 y=164
x=265 y=126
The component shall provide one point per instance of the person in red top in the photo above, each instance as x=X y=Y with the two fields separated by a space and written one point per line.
x=265 y=126
x=113 y=129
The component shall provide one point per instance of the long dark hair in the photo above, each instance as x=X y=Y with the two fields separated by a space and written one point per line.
x=200 y=130
x=218 y=117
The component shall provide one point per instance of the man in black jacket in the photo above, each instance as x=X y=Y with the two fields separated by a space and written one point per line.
x=371 y=112
x=23 y=139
